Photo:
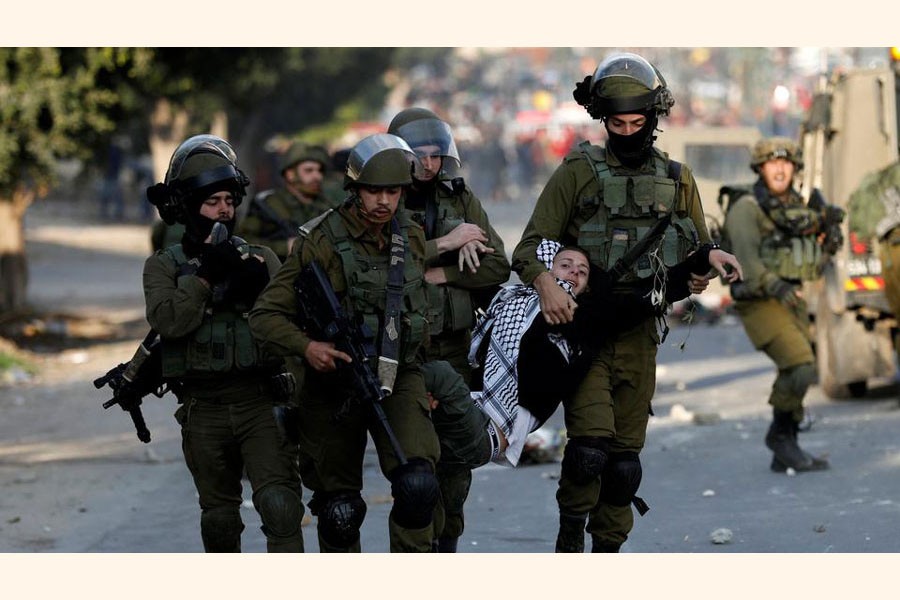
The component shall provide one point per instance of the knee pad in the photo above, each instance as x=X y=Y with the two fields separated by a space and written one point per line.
x=340 y=517
x=220 y=529
x=801 y=377
x=584 y=458
x=620 y=479
x=415 y=490
x=280 y=510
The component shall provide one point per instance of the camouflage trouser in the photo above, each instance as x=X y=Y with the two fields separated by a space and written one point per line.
x=336 y=445
x=453 y=348
x=889 y=253
x=223 y=438
x=462 y=430
x=783 y=333
x=612 y=402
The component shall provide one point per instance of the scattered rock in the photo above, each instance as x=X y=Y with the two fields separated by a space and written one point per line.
x=722 y=535
x=679 y=413
x=819 y=528
x=14 y=520
x=709 y=493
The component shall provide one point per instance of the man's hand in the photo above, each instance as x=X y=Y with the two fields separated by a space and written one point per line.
x=557 y=306
x=784 y=291
x=719 y=260
x=468 y=255
x=321 y=356
x=460 y=236
x=698 y=283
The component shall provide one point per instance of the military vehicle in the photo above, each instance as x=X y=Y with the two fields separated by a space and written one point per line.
x=849 y=132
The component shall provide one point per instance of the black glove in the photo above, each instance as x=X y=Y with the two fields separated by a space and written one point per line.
x=248 y=280
x=785 y=291
x=218 y=262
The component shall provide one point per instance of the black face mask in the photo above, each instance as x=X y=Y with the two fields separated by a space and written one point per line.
x=633 y=150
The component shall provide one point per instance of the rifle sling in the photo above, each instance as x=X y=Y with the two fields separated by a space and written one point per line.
x=624 y=264
x=389 y=351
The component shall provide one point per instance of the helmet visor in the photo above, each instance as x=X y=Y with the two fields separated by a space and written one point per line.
x=627 y=65
x=370 y=146
x=198 y=144
x=431 y=137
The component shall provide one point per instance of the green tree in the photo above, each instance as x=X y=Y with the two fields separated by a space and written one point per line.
x=50 y=108
x=67 y=102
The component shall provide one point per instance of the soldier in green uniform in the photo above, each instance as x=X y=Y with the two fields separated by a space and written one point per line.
x=465 y=264
x=198 y=295
x=777 y=238
x=605 y=200
x=355 y=244
x=274 y=215
x=874 y=209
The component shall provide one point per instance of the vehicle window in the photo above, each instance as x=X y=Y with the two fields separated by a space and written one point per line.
x=719 y=162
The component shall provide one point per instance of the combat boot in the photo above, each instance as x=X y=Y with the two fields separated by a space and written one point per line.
x=571 y=533
x=781 y=439
x=597 y=545
x=446 y=545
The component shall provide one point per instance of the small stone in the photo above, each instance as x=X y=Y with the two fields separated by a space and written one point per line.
x=709 y=493
x=721 y=536
x=790 y=472
x=819 y=528
x=679 y=413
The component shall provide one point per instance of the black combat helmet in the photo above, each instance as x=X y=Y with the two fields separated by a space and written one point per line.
x=381 y=160
x=427 y=135
x=200 y=166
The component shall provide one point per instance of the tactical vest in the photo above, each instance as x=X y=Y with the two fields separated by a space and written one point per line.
x=626 y=208
x=449 y=308
x=367 y=278
x=783 y=250
x=222 y=343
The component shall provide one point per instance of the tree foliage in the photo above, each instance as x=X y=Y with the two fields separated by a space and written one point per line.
x=50 y=107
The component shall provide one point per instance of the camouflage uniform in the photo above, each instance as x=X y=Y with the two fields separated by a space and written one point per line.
x=197 y=296
x=274 y=215
x=439 y=206
x=875 y=215
x=333 y=427
x=777 y=243
x=604 y=202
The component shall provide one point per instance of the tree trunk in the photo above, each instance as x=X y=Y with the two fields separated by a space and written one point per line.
x=13 y=262
x=168 y=128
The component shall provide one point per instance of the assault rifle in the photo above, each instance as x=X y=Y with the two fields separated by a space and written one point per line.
x=130 y=382
x=832 y=216
x=260 y=203
x=323 y=317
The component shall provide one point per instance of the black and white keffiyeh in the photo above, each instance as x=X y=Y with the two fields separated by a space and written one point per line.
x=510 y=314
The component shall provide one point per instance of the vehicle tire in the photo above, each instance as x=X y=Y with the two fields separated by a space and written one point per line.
x=858 y=389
